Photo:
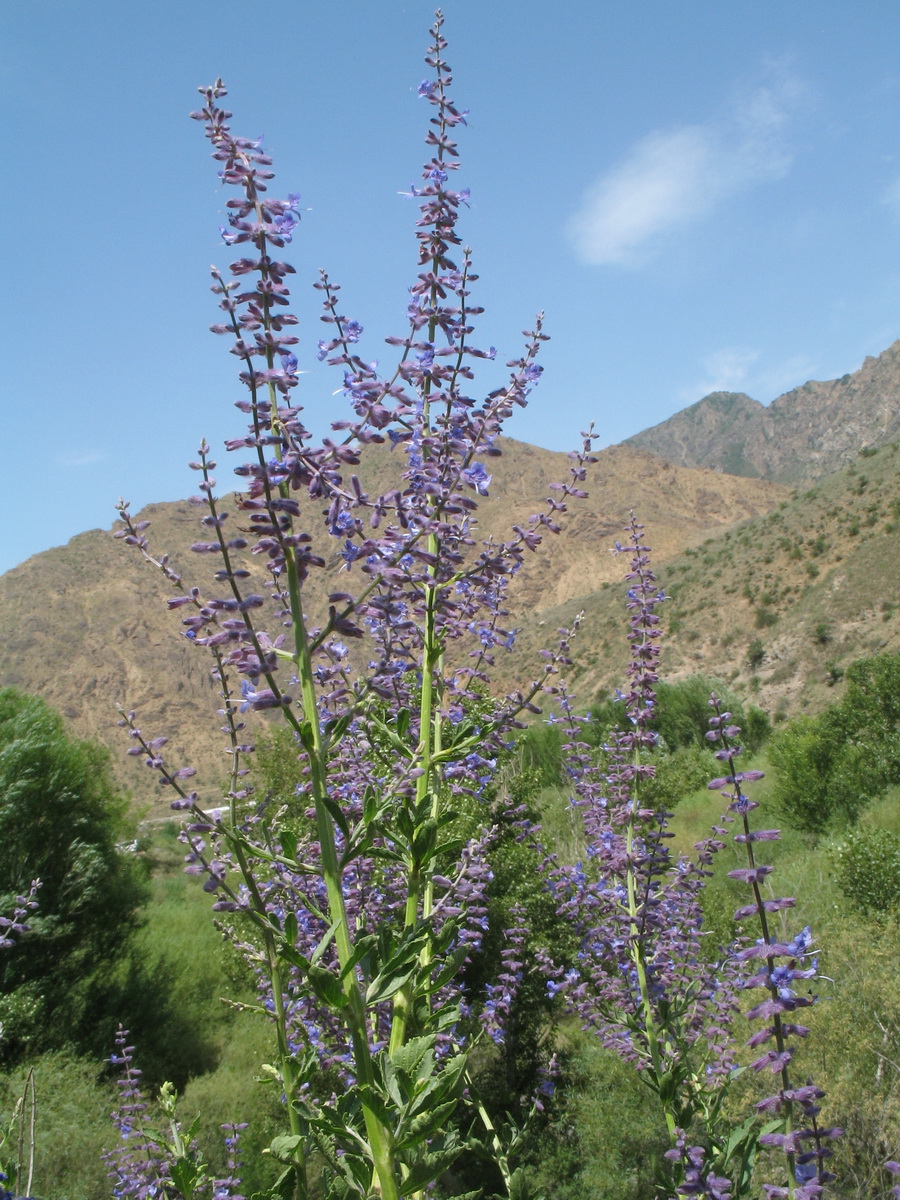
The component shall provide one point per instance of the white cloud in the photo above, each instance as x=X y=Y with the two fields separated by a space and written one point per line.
x=731 y=369
x=79 y=458
x=891 y=196
x=726 y=370
x=673 y=177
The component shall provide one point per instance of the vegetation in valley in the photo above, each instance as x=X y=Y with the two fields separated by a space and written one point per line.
x=844 y=868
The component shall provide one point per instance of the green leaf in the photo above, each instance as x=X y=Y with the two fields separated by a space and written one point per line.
x=387 y=984
x=288 y=843
x=337 y=815
x=408 y=1057
x=424 y=839
x=325 y=942
x=283 y=1146
x=429 y=1167
x=370 y=805
x=336 y=728
x=292 y=955
x=424 y=1124
x=291 y=927
x=450 y=969
x=327 y=986
x=187 y=1175
x=363 y=947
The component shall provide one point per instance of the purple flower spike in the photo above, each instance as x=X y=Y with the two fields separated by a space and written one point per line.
x=781 y=965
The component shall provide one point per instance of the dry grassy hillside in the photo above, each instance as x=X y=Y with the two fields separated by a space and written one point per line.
x=88 y=627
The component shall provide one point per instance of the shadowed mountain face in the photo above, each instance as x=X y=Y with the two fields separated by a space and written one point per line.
x=87 y=626
x=804 y=435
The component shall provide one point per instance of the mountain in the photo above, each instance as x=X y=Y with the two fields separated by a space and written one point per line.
x=87 y=626
x=804 y=435
x=772 y=589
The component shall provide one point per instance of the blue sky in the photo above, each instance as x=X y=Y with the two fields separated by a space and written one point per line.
x=700 y=195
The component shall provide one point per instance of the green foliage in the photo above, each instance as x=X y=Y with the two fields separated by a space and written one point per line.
x=61 y=818
x=540 y=747
x=756 y=654
x=678 y=772
x=867 y=869
x=857 y=1036
x=223 y=1096
x=72 y=1127
x=831 y=766
x=682 y=715
x=856 y=1023
x=607 y=1138
x=169 y=994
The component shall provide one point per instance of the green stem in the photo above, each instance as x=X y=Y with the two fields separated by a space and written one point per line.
x=380 y=1139
x=637 y=957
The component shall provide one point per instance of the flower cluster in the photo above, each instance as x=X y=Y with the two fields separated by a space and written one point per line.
x=361 y=901
x=643 y=978
x=138 y=1166
x=16 y=925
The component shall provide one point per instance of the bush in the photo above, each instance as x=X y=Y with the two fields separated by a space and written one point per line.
x=756 y=653
x=831 y=766
x=682 y=715
x=867 y=869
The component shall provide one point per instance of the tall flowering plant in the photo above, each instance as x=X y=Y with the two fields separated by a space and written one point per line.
x=643 y=979
x=360 y=904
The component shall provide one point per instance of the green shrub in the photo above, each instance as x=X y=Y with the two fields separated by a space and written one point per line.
x=831 y=766
x=867 y=869
x=756 y=654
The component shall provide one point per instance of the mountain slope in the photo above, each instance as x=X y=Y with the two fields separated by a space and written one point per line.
x=777 y=607
x=87 y=626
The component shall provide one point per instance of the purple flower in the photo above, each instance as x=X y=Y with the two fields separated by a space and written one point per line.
x=478 y=478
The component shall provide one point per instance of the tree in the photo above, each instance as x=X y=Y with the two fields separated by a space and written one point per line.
x=61 y=817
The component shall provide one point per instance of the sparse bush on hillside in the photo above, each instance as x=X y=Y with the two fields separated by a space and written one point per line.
x=756 y=654
x=764 y=618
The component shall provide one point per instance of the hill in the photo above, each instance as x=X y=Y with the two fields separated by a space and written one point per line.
x=87 y=625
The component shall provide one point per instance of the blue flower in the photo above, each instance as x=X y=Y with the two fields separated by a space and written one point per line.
x=478 y=478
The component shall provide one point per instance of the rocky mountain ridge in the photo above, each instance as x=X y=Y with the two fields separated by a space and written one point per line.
x=804 y=435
